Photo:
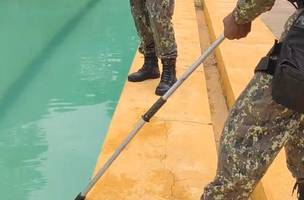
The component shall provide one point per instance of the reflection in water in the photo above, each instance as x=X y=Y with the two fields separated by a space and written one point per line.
x=52 y=123
x=56 y=105
x=21 y=157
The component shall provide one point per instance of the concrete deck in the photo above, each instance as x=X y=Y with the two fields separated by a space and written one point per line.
x=174 y=156
x=276 y=18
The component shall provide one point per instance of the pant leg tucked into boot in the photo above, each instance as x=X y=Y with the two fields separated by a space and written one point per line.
x=168 y=77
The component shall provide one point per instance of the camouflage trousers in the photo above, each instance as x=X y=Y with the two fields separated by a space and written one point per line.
x=256 y=130
x=153 y=23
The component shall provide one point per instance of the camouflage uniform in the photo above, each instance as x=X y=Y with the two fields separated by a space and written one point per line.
x=153 y=23
x=256 y=130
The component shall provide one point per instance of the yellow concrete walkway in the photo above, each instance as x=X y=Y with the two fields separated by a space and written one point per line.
x=174 y=156
x=237 y=60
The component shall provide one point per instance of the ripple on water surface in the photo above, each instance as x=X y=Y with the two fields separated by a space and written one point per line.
x=64 y=64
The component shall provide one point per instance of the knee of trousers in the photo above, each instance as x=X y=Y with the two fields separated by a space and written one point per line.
x=160 y=9
x=164 y=38
x=223 y=188
x=160 y=21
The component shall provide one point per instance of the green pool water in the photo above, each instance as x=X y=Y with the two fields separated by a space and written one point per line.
x=63 y=64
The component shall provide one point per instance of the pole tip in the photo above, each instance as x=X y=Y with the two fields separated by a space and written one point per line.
x=80 y=197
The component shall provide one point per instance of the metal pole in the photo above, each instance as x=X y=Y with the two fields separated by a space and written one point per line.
x=148 y=115
x=194 y=66
x=109 y=162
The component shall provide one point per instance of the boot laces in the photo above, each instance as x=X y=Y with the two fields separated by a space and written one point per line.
x=149 y=62
x=166 y=75
x=299 y=186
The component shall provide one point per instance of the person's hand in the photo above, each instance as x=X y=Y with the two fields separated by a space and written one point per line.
x=232 y=30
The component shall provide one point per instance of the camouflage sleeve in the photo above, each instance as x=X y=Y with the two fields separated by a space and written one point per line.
x=247 y=10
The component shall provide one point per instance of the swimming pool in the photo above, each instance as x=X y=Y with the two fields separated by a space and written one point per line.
x=63 y=65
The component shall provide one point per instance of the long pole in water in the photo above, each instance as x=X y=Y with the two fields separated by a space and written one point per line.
x=148 y=115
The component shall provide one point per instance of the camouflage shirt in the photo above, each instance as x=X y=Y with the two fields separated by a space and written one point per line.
x=247 y=10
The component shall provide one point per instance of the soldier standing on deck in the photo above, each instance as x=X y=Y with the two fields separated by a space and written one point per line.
x=257 y=127
x=153 y=23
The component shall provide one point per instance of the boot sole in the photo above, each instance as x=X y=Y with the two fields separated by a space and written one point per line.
x=141 y=80
x=160 y=93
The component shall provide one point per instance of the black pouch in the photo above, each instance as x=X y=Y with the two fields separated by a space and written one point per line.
x=288 y=81
x=268 y=63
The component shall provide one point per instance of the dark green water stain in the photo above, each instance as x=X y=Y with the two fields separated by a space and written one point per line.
x=62 y=67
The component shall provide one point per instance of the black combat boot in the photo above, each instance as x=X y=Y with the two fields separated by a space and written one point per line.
x=168 y=77
x=300 y=186
x=149 y=70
